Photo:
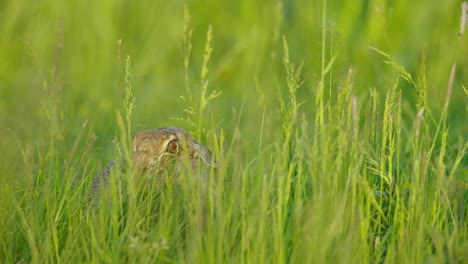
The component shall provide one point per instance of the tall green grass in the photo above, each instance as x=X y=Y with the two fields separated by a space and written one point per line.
x=338 y=127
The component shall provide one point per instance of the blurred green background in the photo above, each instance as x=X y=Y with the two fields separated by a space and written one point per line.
x=61 y=63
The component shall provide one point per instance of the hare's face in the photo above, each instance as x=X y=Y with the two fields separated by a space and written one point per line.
x=160 y=149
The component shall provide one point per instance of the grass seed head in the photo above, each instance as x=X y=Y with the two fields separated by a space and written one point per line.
x=464 y=18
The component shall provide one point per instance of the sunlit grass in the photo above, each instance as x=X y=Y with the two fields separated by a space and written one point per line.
x=335 y=141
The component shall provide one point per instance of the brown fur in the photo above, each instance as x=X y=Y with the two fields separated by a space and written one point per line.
x=151 y=156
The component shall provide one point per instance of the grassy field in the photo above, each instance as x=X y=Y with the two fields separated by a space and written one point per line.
x=339 y=127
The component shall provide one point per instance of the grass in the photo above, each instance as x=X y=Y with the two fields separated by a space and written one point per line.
x=339 y=129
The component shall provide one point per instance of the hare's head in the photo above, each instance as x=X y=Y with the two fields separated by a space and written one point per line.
x=159 y=149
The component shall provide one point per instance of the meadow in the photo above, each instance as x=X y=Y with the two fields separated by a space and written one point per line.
x=339 y=128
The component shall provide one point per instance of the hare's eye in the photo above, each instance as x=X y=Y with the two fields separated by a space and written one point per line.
x=173 y=146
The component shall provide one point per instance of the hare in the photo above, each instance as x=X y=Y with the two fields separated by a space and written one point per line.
x=157 y=150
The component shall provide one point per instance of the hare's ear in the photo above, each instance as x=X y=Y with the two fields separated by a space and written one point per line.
x=204 y=153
